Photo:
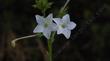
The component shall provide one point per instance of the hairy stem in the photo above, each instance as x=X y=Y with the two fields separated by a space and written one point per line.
x=50 y=46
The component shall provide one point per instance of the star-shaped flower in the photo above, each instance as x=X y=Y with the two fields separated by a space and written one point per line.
x=45 y=25
x=64 y=25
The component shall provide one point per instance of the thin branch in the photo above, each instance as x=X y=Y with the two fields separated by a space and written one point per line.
x=13 y=42
x=65 y=4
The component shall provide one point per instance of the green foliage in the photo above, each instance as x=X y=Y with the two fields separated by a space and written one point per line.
x=62 y=12
x=43 y=5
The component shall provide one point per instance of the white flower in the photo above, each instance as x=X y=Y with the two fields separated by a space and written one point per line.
x=45 y=25
x=64 y=25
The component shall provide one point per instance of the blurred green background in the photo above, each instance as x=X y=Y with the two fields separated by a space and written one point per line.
x=89 y=41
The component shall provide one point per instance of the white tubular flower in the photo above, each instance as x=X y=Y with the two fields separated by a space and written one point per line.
x=64 y=25
x=45 y=25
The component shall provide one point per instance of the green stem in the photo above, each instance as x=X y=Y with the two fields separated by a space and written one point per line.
x=50 y=46
x=49 y=50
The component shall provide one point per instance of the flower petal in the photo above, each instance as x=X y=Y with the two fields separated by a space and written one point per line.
x=47 y=33
x=57 y=21
x=60 y=30
x=67 y=33
x=39 y=19
x=39 y=28
x=71 y=25
x=66 y=18
x=53 y=27
x=50 y=16
x=49 y=19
